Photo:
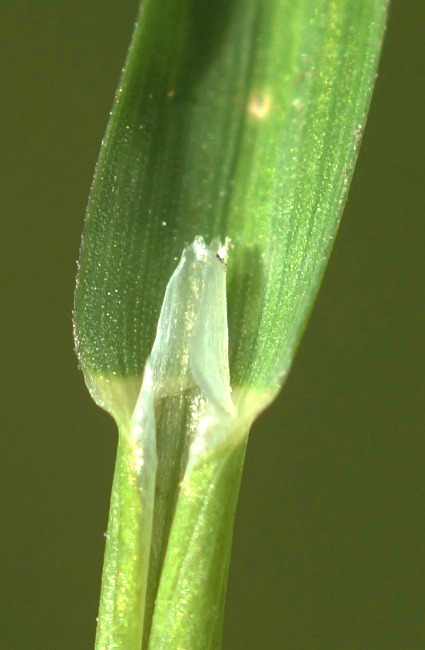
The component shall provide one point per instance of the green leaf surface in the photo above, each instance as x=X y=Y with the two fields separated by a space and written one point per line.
x=236 y=119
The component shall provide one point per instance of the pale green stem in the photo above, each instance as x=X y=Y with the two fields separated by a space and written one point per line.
x=190 y=601
x=121 y=610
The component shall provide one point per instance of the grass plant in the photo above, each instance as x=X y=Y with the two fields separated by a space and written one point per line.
x=216 y=200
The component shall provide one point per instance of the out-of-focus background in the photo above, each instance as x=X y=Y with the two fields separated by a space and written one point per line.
x=329 y=546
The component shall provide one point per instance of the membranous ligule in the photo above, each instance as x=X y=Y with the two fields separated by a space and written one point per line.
x=190 y=352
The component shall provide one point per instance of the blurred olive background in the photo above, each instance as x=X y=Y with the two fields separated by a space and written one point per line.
x=329 y=543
